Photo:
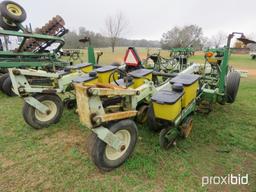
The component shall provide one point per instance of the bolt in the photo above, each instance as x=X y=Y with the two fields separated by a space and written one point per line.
x=16 y=72
x=48 y=112
x=122 y=148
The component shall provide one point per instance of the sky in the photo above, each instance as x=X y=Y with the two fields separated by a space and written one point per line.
x=147 y=19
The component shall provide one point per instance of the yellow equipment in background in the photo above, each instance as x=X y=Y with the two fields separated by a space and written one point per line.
x=139 y=76
x=105 y=75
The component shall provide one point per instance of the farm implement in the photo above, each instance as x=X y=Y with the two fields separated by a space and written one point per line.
x=37 y=50
x=42 y=91
x=110 y=100
x=178 y=60
x=110 y=111
x=39 y=89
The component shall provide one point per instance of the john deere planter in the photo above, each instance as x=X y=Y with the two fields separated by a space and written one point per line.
x=110 y=110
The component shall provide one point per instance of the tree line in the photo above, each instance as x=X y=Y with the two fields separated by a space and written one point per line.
x=99 y=41
x=176 y=37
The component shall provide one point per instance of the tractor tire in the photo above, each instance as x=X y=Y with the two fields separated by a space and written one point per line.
x=13 y=11
x=153 y=124
x=7 y=25
x=7 y=87
x=38 y=120
x=2 y=79
x=105 y=157
x=233 y=81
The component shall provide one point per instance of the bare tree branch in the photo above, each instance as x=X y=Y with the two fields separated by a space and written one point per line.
x=115 y=26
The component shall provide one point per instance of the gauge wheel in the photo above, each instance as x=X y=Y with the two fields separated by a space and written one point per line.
x=39 y=120
x=153 y=124
x=7 y=25
x=233 y=81
x=2 y=79
x=107 y=158
x=186 y=127
x=142 y=114
x=13 y=11
x=7 y=87
x=169 y=142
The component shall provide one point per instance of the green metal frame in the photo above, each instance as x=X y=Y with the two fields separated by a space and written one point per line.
x=23 y=88
x=9 y=59
x=169 y=65
x=215 y=87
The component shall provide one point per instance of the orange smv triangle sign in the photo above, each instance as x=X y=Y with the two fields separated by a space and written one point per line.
x=131 y=58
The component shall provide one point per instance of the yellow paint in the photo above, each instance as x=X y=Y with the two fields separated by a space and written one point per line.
x=167 y=111
x=189 y=93
x=103 y=77
x=14 y=9
x=140 y=81
x=87 y=69
x=212 y=60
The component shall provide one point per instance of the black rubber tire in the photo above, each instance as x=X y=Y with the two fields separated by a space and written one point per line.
x=98 y=147
x=164 y=142
x=2 y=79
x=7 y=87
x=6 y=26
x=29 y=111
x=153 y=124
x=10 y=15
x=254 y=57
x=233 y=81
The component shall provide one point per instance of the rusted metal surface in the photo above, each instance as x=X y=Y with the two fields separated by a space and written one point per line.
x=50 y=28
x=114 y=116
x=83 y=105
x=109 y=92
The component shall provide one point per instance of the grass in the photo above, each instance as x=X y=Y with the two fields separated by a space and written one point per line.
x=55 y=159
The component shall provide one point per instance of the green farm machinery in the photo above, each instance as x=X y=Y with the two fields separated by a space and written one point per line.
x=37 y=50
x=111 y=111
x=177 y=61
x=110 y=100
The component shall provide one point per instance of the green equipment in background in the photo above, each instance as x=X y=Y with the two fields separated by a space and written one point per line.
x=23 y=48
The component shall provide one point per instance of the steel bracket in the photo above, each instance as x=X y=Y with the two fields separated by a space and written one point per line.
x=37 y=104
x=108 y=137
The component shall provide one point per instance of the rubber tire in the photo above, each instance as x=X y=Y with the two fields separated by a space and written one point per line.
x=5 y=26
x=7 y=87
x=8 y=15
x=163 y=142
x=29 y=111
x=2 y=79
x=97 y=148
x=153 y=125
x=233 y=81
